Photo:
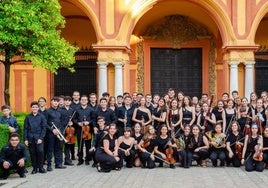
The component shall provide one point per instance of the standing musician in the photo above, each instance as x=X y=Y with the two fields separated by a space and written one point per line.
x=259 y=115
x=253 y=100
x=230 y=112
x=125 y=113
x=188 y=112
x=198 y=111
x=159 y=114
x=206 y=119
x=137 y=135
x=174 y=117
x=217 y=143
x=252 y=151
x=126 y=145
x=234 y=145
x=185 y=153
x=83 y=118
x=146 y=147
x=97 y=140
x=199 y=146
x=219 y=113
x=142 y=115
x=67 y=115
x=54 y=143
x=164 y=148
x=244 y=121
x=108 y=156
x=264 y=97
x=265 y=146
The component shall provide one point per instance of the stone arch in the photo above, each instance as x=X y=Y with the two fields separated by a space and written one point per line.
x=215 y=11
x=256 y=21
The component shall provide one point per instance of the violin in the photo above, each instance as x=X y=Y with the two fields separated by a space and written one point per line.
x=258 y=155
x=208 y=113
x=169 y=153
x=86 y=131
x=238 y=151
x=247 y=129
x=146 y=143
x=70 y=137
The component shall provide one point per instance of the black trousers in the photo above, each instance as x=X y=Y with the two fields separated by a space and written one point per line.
x=54 y=147
x=217 y=154
x=14 y=166
x=202 y=154
x=234 y=160
x=108 y=162
x=87 y=143
x=68 y=152
x=37 y=154
x=130 y=158
x=186 y=157
x=146 y=160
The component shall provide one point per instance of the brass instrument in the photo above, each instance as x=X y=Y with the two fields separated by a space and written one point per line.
x=179 y=143
x=59 y=135
x=218 y=139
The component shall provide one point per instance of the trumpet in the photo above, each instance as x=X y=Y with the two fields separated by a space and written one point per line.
x=59 y=135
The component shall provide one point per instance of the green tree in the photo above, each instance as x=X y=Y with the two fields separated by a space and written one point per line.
x=32 y=29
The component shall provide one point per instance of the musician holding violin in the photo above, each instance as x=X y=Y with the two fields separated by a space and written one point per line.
x=137 y=135
x=252 y=155
x=174 y=117
x=146 y=147
x=234 y=145
x=206 y=119
x=265 y=146
x=164 y=148
x=69 y=131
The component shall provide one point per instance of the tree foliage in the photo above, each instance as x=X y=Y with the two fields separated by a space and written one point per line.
x=31 y=29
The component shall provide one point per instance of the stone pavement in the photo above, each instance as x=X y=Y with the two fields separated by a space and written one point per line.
x=86 y=176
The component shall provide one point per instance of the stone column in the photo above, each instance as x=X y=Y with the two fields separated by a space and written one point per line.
x=249 y=78
x=102 y=77
x=233 y=76
x=118 y=80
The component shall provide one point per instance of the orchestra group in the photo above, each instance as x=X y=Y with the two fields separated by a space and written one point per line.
x=134 y=130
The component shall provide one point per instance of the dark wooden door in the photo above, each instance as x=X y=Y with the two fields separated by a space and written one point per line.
x=84 y=78
x=180 y=69
x=261 y=72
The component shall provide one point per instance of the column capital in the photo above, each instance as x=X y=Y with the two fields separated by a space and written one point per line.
x=102 y=63
x=249 y=63
x=118 y=64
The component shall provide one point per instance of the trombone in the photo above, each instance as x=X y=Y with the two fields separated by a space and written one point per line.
x=59 y=135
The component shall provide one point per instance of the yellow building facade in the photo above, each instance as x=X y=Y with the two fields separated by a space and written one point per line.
x=208 y=46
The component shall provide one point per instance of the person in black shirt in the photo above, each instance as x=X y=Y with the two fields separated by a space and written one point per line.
x=54 y=143
x=13 y=156
x=137 y=135
x=76 y=100
x=185 y=153
x=83 y=119
x=8 y=119
x=265 y=146
x=108 y=156
x=234 y=145
x=35 y=126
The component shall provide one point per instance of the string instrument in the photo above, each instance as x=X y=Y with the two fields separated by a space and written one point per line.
x=247 y=129
x=86 y=131
x=146 y=143
x=169 y=153
x=69 y=132
x=170 y=120
x=258 y=155
x=238 y=151
x=208 y=113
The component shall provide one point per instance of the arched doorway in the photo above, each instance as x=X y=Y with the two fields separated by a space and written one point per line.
x=80 y=32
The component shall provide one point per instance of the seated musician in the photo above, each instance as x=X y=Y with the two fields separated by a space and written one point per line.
x=265 y=146
x=108 y=156
x=234 y=145
x=126 y=145
x=252 y=151
x=184 y=152
x=146 y=147
x=137 y=135
x=164 y=148
x=218 y=146
x=199 y=146
x=97 y=140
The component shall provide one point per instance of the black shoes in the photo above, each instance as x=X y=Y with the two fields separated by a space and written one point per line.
x=49 y=168
x=68 y=163
x=87 y=162
x=172 y=166
x=98 y=167
x=34 y=171
x=80 y=163
x=160 y=165
x=93 y=165
x=22 y=175
x=60 y=167
x=42 y=170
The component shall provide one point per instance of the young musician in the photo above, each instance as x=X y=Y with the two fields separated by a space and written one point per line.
x=67 y=116
x=199 y=146
x=174 y=117
x=234 y=145
x=108 y=155
x=188 y=112
x=13 y=156
x=83 y=118
x=137 y=135
x=164 y=148
x=55 y=128
x=142 y=114
x=185 y=153
x=146 y=147
x=35 y=126
x=219 y=113
x=217 y=142
x=206 y=119
x=8 y=119
x=126 y=145
x=230 y=112
x=159 y=114
x=265 y=146
x=252 y=151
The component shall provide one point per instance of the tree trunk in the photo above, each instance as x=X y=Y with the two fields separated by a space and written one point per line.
x=7 y=65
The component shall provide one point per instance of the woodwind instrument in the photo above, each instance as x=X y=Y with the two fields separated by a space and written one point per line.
x=125 y=118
